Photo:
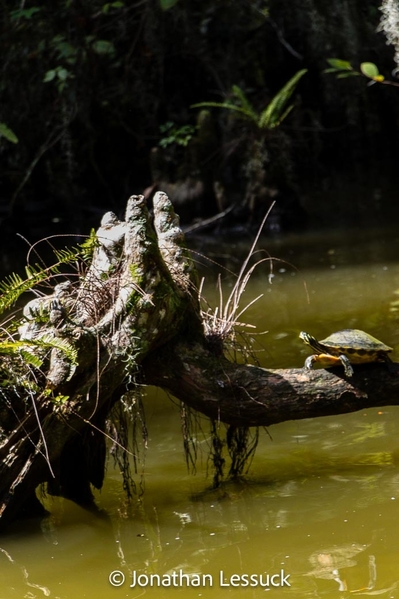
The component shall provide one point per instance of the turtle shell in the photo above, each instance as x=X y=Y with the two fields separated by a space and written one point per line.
x=355 y=343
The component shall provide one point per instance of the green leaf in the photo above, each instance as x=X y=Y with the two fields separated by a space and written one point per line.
x=50 y=75
x=30 y=358
x=105 y=9
x=87 y=247
x=60 y=399
x=166 y=127
x=346 y=75
x=277 y=110
x=65 y=49
x=245 y=103
x=46 y=342
x=167 y=4
x=340 y=65
x=13 y=286
x=103 y=47
x=62 y=74
x=369 y=69
x=227 y=105
x=343 y=73
x=7 y=133
x=49 y=342
x=19 y=347
x=173 y=134
x=26 y=13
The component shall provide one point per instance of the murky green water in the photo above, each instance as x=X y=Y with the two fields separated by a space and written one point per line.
x=319 y=509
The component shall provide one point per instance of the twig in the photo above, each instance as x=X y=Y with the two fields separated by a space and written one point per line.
x=49 y=143
x=208 y=221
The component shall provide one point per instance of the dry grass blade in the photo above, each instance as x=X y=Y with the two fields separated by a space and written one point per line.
x=242 y=280
x=219 y=323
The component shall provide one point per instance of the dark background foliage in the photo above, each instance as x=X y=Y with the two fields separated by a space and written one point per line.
x=100 y=94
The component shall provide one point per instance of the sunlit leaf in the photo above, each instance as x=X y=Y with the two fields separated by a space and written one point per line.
x=60 y=399
x=340 y=65
x=277 y=109
x=7 y=133
x=369 y=69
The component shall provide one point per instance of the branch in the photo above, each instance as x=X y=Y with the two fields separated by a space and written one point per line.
x=243 y=395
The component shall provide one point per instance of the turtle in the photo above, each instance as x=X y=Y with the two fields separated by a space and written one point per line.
x=349 y=346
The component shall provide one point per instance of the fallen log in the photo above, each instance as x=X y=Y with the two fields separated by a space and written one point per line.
x=242 y=395
x=134 y=318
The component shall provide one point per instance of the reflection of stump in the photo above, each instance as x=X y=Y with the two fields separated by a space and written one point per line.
x=135 y=313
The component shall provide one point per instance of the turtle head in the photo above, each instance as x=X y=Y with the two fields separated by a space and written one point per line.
x=305 y=337
x=309 y=340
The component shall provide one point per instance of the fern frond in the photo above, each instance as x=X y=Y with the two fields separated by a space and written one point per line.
x=12 y=348
x=30 y=358
x=84 y=251
x=12 y=281
x=276 y=111
x=46 y=342
x=227 y=105
x=245 y=104
x=13 y=286
x=88 y=246
x=49 y=342
x=66 y=255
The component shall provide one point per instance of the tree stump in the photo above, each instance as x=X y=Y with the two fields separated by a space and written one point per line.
x=135 y=315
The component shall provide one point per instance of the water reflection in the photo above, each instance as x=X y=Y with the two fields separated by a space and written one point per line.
x=320 y=502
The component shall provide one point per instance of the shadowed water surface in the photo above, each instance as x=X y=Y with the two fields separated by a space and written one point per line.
x=319 y=507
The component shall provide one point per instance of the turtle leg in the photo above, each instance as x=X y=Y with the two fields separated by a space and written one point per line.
x=321 y=361
x=346 y=364
x=329 y=361
x=309 y=362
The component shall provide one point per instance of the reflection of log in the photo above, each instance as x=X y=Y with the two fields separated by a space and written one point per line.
x=136 y=314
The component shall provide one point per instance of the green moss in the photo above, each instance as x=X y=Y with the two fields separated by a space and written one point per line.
x=136 y=273
x=132 y=301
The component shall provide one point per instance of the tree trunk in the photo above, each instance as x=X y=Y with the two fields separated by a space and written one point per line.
x=135 y=317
